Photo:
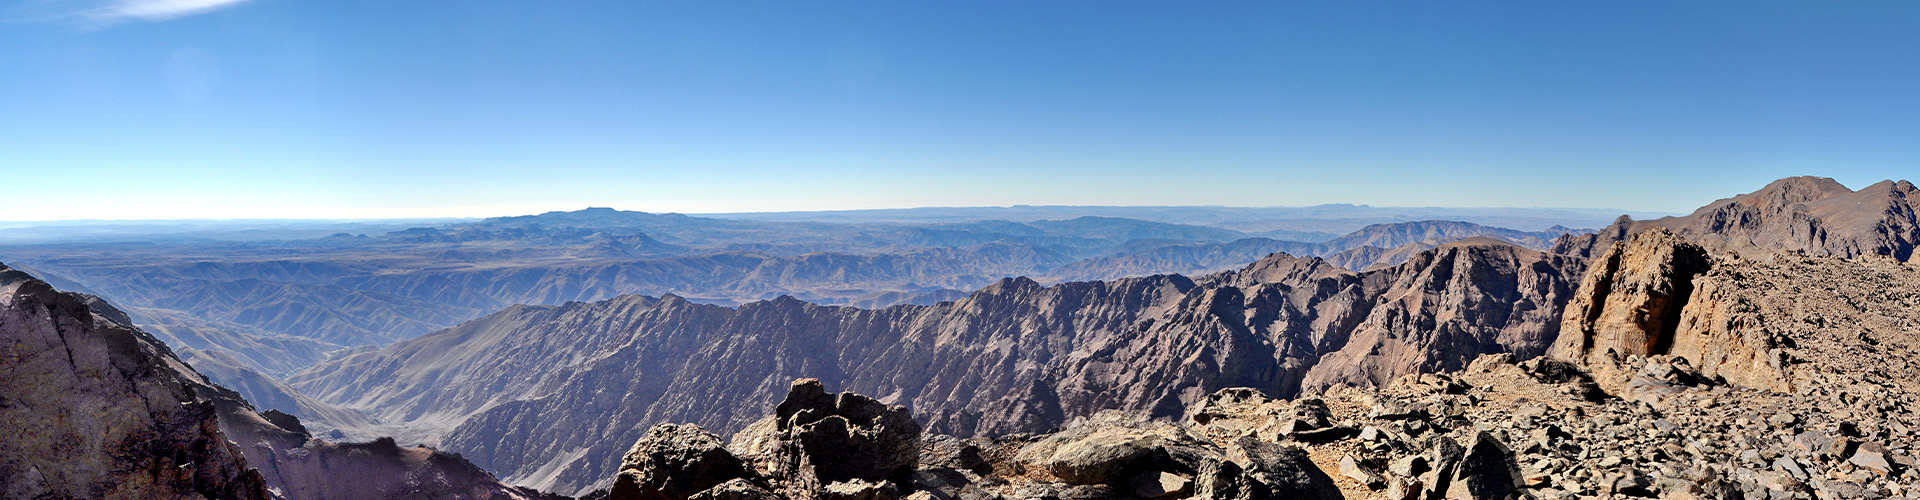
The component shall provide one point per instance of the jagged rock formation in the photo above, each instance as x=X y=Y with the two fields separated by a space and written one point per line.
x=1448 y=305
x=1750 y=322
x=1631 y=300
x=820 y=445
x=541 y=394
x=92 y=407
x=1814 y=215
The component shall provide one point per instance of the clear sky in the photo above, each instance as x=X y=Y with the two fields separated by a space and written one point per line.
x=132 y=109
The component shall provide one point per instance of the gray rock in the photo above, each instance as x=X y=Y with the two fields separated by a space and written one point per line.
x=940 y=450
x=1631 y=482
x=674 y=462
x=860 y=489
x=1162 y=484
x=736 y=489
x=1402 y=489
x=944 y=483
x=1098 y=460
x=1394 y=409
x=1409 y=466
x=1279 y=471
x=1444 y=455
x=1325 y=434
x=1485 y=472
x=855 y=437
x=1872 y=456
x=1353 y=469
x=1787 y=465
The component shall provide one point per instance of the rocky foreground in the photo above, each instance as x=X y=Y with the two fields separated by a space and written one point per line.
x=1498 y=430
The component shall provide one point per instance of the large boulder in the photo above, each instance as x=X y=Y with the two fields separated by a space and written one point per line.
x=1485 y=472
x=842 y=436
x=816 y=439
x=1158 y=459
x=1278 y=471
x=675 y=462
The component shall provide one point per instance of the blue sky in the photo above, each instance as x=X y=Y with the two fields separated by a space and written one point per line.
x=130 y=109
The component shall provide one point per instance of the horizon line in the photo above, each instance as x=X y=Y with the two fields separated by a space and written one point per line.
x=797 y=212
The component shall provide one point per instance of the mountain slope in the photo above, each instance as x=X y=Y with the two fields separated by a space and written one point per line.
x=1815 y=215
x=548 y=395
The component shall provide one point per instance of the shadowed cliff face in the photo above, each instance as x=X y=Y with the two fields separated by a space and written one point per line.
x=549 y=396
x=1814 y=215
x=91 y=407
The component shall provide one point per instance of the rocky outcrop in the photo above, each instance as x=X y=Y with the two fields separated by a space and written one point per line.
x=92 y=407
x=1766 y=324
x=1630 y=302
x=819 y=445
x=676 y=462
x=548 y=395
x=1814 y=215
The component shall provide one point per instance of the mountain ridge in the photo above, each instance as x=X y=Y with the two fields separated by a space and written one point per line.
x=1015 y=356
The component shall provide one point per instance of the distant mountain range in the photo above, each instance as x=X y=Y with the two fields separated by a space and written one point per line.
x=1309 y=224
x=280 y=305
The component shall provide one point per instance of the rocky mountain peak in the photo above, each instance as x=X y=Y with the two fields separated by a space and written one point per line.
x=1782 y=194
x=1814 y=215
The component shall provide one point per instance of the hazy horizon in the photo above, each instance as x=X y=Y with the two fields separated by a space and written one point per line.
x=822 y=212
